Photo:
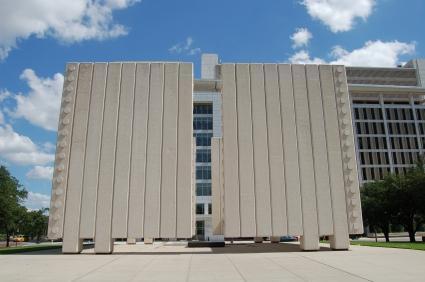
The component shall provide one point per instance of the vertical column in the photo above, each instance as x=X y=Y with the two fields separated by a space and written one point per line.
x=417 y=131
x=310 y=238
x=387 y=137
x=356 y=141
x=320 y=158
x=217 y=186
x=261 y=159
x=185 y=145
x=339 y=239
x=103 y=230
x=138 y=152
x=169 y=152
x=230 y=153
x=60 y=174
x=274 y=131
x=290 y=149
x=246 y=166
x=355 y=225
x=92 y=158
x=71 y=237
x=123 y=155
x=153 y=156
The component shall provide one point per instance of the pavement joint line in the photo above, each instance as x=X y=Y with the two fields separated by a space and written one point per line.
x=339 y=269
x=144 y=267
x=284 y=268
x=189 y=268
x=236 y=268
x=95 y=269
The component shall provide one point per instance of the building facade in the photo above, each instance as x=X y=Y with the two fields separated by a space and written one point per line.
x=248 y=150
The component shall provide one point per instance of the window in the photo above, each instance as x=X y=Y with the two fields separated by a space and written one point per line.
x=200 y=209
x=202 y=109
x=203 y=189
x=200 y=227
x=209 y=208
x=203 y=139
x=203 y=172
x=203 y=156
x=203 y=123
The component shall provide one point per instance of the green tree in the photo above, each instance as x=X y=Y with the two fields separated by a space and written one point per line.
x=34 y=224
x=408 y=199
x=376 y=207
x=12 y=195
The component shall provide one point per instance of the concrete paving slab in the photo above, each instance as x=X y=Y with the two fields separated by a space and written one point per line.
x=173 y=261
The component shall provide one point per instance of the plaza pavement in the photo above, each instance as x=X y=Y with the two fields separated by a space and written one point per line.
x=237 y=262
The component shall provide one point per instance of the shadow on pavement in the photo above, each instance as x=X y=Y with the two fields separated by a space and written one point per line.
x=171 y=249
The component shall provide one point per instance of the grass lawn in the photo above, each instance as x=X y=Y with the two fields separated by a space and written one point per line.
x=23 y=249
x=400 y=245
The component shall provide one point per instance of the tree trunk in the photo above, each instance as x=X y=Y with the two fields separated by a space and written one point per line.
x=7 y=239
x=412 y=236
x=387 y=236
x=386 y=231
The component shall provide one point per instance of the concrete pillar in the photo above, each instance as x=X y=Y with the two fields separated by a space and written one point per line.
x=258 y=239
x=148 y=240
x=72 y=247
x=131 y=241
x=339 y=243
x=309 y=244
x=275 y=239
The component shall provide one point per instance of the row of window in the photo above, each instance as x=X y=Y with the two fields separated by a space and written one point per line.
x=380 y=143
x=378 y=158
x=200 y=208
x=368 y=143
x=390 y=113
x=203 y=139
x=203 y=109
x=203 y=189
x=203 y=123
x=399 y=114
x=368 y=113
x=375 y=173
x=203 y=172
x=378 y=173
x=203 y=155
x=394 y=128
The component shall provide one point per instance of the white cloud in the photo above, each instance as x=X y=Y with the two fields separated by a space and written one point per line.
x=4 y=94
x=49 y=147
x=303 y=57
x=301 y=37
x=339 y=15
x=20 y=149
x=185 y=47
x=68 y=21
x=40 y=172
x=36 y=201
x=373 y=53
x=1 y=117
x=42 y=104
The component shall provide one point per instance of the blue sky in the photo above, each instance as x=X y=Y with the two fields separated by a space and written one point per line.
x=37 y=38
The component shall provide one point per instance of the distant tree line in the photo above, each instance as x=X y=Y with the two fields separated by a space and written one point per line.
x=396 y=200
x=14 y=217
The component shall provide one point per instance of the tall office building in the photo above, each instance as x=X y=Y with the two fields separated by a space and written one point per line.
x=248 y=150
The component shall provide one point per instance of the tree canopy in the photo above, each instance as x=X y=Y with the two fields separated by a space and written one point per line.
x=14 y=217
x=397 y=199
